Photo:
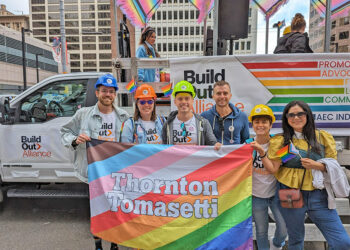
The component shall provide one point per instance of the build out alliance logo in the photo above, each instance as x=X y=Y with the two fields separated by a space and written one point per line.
x=32 y=147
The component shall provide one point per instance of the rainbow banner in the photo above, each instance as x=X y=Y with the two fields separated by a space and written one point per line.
x=152 y=196
x=288 y=152
x=339 y=8
x=167 y=90
x=204 y=7
x=139 y=12
x=131 y=86
x=268 y=7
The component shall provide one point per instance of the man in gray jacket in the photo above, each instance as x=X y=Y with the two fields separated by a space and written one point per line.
x=102 y=121
x=183 y=126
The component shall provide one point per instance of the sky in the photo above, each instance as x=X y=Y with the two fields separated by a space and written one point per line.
x=285 y=13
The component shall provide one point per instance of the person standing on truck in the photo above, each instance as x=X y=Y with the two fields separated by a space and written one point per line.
x=102 y=121
x=314 y=148
x=147 y=50
x=229 y=124
x=264 y=183
x=183 y=126
x=296 y=41
x=145 y=126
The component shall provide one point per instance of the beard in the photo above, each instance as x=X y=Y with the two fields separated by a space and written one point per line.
x=106 y=101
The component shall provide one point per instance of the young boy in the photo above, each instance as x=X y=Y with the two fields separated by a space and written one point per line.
x=182 y=125
x=264 y=183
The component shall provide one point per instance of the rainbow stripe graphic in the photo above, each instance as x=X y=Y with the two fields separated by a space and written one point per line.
x=204 y=7
x=268 y=7
x=288 y=152
x=167 y=90
x=324 y=87
x=339 y=7
x=171 y=197
x=139 y=12
x=131 y=86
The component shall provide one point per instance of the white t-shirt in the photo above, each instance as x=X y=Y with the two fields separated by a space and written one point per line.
x=107 y=130
x=190 y=129
x=264 y=183
x=152 y=137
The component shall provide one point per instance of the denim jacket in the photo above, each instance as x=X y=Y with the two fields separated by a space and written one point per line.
x=130 y=127
x=146 y=75
x=88 y=121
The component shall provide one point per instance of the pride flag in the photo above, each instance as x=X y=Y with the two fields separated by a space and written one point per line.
x=153 y=196
x=167 y=90
x=288 y=152
x=131 y=86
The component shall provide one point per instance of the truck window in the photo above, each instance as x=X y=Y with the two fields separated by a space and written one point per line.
x=58 y=99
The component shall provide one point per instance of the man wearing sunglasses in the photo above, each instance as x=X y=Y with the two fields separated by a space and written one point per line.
x=102 y=121
x=229 y=124
x=183 y=126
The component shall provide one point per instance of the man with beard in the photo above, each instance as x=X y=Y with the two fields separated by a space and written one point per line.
x=230 y=125
x=102 y=121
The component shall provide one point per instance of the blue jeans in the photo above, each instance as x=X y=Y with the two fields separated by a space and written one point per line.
x=261 y=218
x=327 y=220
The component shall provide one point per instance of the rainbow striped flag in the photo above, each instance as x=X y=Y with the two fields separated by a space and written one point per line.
x=167 y=90
x=153 y=196
x=131 y=86
x=288 y=152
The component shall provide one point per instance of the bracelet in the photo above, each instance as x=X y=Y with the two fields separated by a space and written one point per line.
x=263 y=156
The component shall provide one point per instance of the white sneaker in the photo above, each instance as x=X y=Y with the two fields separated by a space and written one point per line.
x=273 y=247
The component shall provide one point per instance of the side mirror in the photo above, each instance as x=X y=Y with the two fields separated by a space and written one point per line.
x=5 y=110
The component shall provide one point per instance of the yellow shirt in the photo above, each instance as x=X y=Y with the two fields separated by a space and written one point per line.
x=292 y=177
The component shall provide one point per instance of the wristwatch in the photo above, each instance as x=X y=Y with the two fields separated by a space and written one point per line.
x=74 y=143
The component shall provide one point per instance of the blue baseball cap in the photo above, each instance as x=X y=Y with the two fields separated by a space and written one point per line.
x=107 y=80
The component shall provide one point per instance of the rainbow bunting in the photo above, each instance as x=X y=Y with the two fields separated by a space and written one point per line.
x=204 y=7
x=268 y=7
x=288 y=152
x=167 y=90
x=131 y=86
x=139 y=12
x=171 y=197
x=339 y=8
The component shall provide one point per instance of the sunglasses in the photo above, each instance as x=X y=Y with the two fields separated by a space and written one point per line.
x=293 y=115
x=221 y=124
x=183 y=127
x=143 y=102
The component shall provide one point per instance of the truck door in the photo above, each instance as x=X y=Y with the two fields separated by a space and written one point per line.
x=33 y=151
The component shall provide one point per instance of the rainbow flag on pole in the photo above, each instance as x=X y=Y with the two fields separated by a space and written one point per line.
x=153 y=196
x=288 y=152
x=167 y=90
x=131 y=86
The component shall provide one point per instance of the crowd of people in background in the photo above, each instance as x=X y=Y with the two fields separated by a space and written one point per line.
x=224 y=124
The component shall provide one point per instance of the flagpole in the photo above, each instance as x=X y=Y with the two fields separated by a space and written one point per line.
x=205 y=35
x=267 y=35
x=63 y=38
x=216 y=26
x=327 y=34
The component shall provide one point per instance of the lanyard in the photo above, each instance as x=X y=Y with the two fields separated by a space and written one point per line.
x=231 y=129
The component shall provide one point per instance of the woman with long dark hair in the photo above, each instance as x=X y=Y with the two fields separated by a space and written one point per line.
x=147 y=50
x=145 y=126
x=315 y=147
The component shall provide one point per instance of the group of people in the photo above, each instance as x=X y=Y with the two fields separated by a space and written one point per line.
x=225 y=124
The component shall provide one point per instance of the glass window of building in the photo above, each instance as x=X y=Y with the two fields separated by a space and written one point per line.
x=164 y=15
x=186 y=31
x=242 y=45
x=334 y=24
x=181 y=1
x=105 y=30
x=104 y=23
x=38 y=9
x=248 y=45
x=89 y=46
x=250 y=12
x=236 y=45
x=73 y=46
x=75 y=63
x=249 y=29
x=170 y=15
x=89 y=64
x=104 y=46
x=344 y=35
x=159 y=15
x=72 y=23
x=192 y=46
x=164 y=31
x=105 y=56
x=39 y=32
x=89 y=56
x=87 y=1
x=103 y=7
x=186 y=14
x=197 y=14
x=164 y=47
x=181 y=47
x=87 y=7
x=74 y=15
x=39 y=24
x=197 y=47
x=72 y=31
x=105 y=63
x=159 y=47
x=104 y=15
x=159 y=31
x=104 y=38
x=38 y=1
x=192 y=14
x=87 y=15
x=53 y=32
x=72 y=39
x=175 y=31
x=175 y=14
x=181 y=15
x=197 y=31
x=175 y=46
x=170 y=47
x=69 y=8
x=74 y=56
x=186 y=46
x=191 y=30
x=154 y=17
x=53 y=1
x=170 y=31
x=87 y=23
x=39 y=16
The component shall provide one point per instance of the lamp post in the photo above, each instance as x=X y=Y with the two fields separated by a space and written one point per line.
x=37 y=66
x=24 y=61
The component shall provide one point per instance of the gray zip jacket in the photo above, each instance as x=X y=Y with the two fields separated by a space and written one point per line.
x=204 y=131
x=88 y=121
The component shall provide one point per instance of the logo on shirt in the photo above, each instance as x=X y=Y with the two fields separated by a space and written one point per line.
x=179 y=138
x=106 y=129
x=151 y=135
x=258 y=166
